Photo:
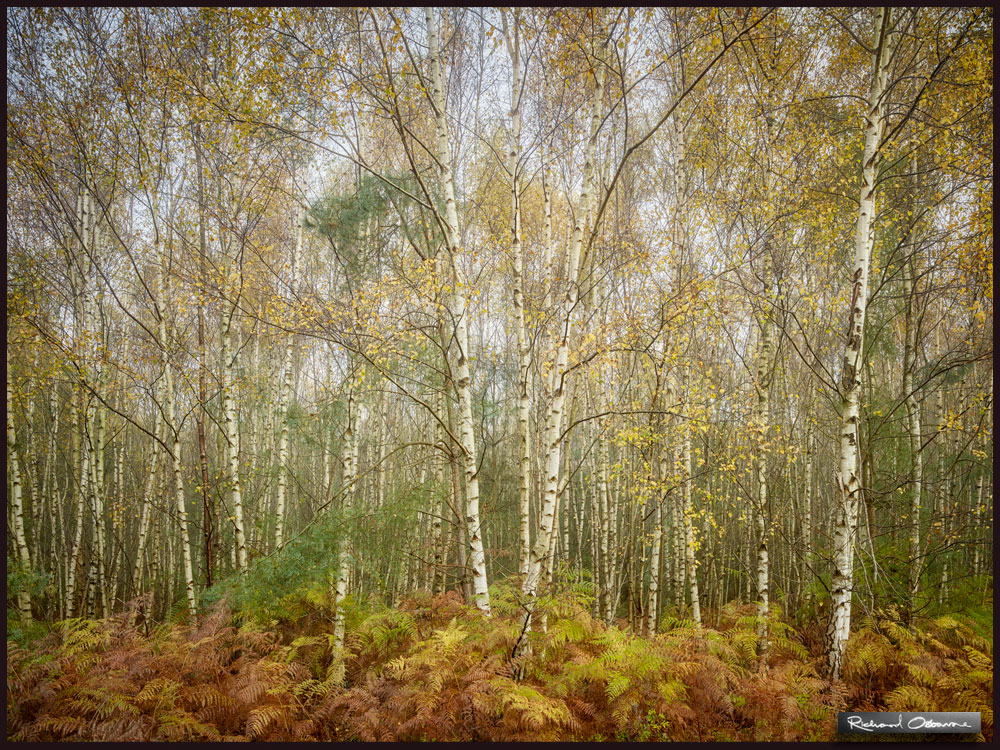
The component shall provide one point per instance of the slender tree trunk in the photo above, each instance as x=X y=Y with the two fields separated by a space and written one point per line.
x=82 y=488
x=677 y=567
x=848 y=473
x=208 y=517
x=232 y=438
x=283 y=408
x=147 y=504
x=523 y=351
x=13 y=469
x=606 y=588
x=977 y=546
x=552 y=441
x=55 y=498
x=689 y=540
x=173 y=434
x=910 y=323
x=460 y=289
x=97 y=502
x=761 y=423
x=350 y=457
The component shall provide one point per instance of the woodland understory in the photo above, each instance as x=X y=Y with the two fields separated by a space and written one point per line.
x=497 y=373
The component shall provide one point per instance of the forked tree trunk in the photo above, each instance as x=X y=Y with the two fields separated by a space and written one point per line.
x=552 y=441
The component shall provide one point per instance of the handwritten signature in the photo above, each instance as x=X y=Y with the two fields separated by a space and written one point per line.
x=915 y=722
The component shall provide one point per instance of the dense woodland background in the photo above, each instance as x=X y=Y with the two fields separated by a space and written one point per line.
x=497 y=373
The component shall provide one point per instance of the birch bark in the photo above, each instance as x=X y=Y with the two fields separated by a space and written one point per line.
x=913 y=426
x=147 y=504
x=848 y=476
x=552 y=441
x=523 y=351
x=761 y=423
x=80 y=413
x=13 y=465
x=350 y=457
x=284 y=399
x=175 y=452
x=232 y=438
x=460 y=288
x=688 y=513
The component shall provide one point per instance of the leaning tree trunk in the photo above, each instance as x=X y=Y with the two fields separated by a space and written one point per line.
x=848 y=474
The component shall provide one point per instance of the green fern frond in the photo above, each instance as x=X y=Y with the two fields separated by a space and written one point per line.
x=911 y=698
x=617 y=686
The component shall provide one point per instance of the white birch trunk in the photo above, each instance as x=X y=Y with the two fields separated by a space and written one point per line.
x=54 y=498
x=175 y=453
x=761 y=424
x=553 y=429
x=344 y=562
x=147 y=505
x=913 y=426
x=607 y=597
x=82 y=488
x=807 y=481
x=13 y=468
x=81 y=429
x=977 y=550
x=460 y=288
x=523 y=351
x=848 y=472
x=285 y=397
x=232 y=438
x=688 y=512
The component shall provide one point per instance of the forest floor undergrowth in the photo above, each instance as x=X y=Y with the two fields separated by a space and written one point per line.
x=435 y=669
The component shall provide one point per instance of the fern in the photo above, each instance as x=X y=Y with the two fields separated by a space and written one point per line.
x=911 y=698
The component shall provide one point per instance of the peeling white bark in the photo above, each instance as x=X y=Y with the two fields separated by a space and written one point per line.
x=552 y=442
x=460 y=288
x=13 y=469
x=848 y=472
x=284 y=398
